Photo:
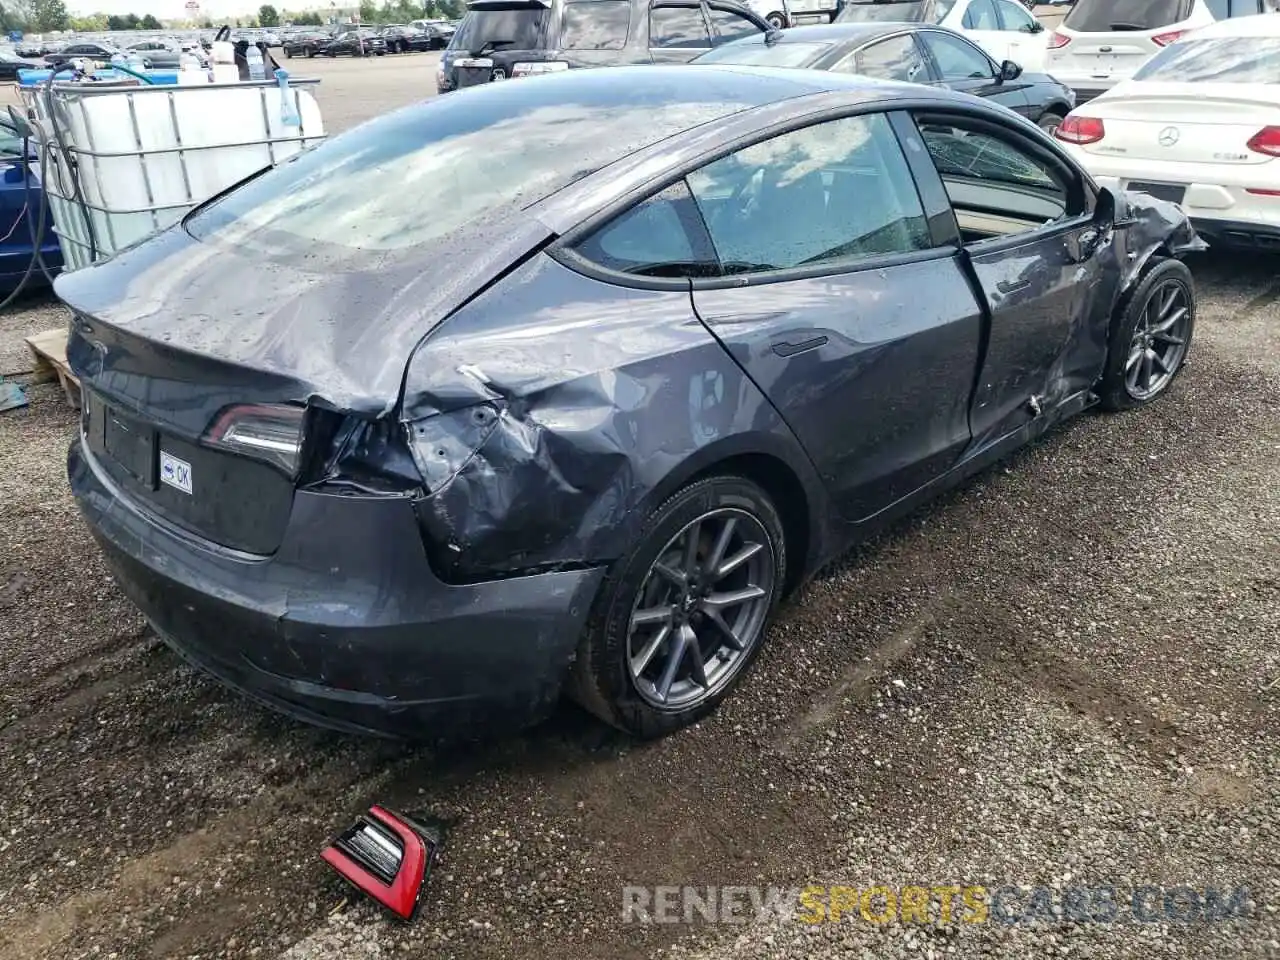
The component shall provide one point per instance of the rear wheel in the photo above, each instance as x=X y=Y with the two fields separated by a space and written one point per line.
x=1151 y=340
x=682 y=616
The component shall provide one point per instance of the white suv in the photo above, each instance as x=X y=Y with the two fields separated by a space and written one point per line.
x=1101 y=42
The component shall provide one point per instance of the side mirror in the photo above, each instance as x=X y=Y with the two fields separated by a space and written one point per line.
x=1010 y=71
x=1104 y=209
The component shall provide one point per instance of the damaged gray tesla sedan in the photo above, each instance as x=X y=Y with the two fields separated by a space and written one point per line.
x=562 y=384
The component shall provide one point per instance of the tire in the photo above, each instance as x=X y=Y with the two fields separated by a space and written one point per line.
x=310 y=54
x=777 y=21
x=288 y=54
x=1049 y=121
x=604 y=677
x=1147 y=325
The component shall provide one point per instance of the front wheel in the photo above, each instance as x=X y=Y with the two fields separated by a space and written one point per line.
x=682 y=615
x=1050 y=122
x=1151 y=339
x=288 y=54
x=776 y=20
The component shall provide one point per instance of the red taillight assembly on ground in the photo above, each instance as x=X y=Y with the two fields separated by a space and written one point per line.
x=1057 y=40
x=1079 y=130
x=387 y=856
x=1164 y=39
x=269 y=432
x=1266 y=140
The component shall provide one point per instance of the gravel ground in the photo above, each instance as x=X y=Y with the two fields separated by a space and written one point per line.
x=1066 y=673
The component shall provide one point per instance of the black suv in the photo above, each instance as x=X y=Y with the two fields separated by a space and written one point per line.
x=501 y=39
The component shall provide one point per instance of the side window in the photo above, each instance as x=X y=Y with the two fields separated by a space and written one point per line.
x=834 y=191
x=1219 y=8
x=1246 y=8
x=1014 y=16
x=727 y=25
x=957 y=59
x=981 y=15
x=596 y=25
x=662 y=236
x=677 y=27
x=996 y=187
x=897 y=58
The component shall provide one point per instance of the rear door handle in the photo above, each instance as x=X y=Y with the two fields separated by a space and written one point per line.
x=786 y=349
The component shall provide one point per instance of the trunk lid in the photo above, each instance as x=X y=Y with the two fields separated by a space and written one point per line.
x=1183 y=123
x=168 y=334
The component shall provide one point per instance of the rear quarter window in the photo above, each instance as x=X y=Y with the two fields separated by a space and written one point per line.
x=596 y=25
x=1107 y=16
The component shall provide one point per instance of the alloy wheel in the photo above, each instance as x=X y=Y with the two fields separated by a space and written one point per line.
x=701 y=609
x=1159 y=342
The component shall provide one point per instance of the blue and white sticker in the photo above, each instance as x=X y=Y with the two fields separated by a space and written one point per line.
x=176 y=473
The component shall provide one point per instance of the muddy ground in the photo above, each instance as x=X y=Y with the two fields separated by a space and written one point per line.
x=1067 y=672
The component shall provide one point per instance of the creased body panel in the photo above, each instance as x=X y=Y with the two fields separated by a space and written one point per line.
x=601 y=397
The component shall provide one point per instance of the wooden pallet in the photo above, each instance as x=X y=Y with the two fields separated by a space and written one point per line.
x=50 y=352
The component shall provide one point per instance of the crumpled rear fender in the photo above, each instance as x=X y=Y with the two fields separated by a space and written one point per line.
x=552 y=413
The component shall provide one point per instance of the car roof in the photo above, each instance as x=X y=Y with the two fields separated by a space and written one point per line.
x=1258 y=25
x=839 y=32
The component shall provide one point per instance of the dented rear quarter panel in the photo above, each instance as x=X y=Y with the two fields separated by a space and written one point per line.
x=608 y=399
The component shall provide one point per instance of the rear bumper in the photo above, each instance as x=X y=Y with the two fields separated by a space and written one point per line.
x=1238 y=233
x=345 y=625
x=1217 y=199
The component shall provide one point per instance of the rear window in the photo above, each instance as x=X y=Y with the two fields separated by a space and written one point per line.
x=1108 y=16
x=408 y=182
x=1222 y=60
x=517 y=27
x=596 y=24
x=913 y=11
x=759 y=53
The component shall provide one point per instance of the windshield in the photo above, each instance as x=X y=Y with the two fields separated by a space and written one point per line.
x=517 y=27
x=756 y=51
x=1222 y=60
x=408 y=181
x=1107 y=16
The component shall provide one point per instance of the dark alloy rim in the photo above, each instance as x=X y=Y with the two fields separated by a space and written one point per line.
x=1159 y=340
x=701 y=609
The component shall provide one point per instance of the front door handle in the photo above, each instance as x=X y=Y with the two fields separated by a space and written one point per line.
x=1007 y=287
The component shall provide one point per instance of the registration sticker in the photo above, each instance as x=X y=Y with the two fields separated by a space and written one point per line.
x=175 y=472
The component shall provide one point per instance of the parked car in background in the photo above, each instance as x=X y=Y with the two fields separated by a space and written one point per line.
x=1198 y=124
x=164 y=55
x=1101 y=42
x=737 y=320
x=1003 y=28
x=401 y=39
x=20 y=205
x=11 y=63
x=306 y=44
x=914 y=53
x=439 y=33
x=99 y=52
x=356 y=43
x=501 y=39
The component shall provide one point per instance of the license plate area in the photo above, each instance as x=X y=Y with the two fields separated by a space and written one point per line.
x=130 y=444
x=1173 y=192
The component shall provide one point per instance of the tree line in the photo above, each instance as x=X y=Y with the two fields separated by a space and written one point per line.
x=44 y=16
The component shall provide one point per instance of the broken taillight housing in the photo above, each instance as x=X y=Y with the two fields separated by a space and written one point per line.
x=387 y=856
x=1164 y=39
x=1057 y=40
x=1266 y=140
x=268 y=432
x=1080 y=130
